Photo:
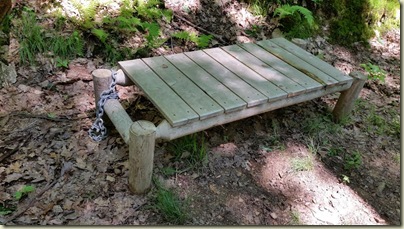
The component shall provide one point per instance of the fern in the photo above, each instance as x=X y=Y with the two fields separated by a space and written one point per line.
x=288 y=11
x=201 y=41
x=204 y=40
x=100 y=34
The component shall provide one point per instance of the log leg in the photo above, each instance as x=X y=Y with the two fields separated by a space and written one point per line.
x=142 y=137
x=347 y=98
x=101 y=79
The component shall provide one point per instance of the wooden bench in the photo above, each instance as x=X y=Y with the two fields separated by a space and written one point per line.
x=197 y=90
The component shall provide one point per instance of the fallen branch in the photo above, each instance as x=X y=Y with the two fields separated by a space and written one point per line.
x=219 y=37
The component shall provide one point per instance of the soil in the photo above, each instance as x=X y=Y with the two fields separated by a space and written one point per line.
x=251 y=175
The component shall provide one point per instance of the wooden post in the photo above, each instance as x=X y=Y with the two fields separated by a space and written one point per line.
x=102 y=80
x=142 y=136
x=347 y=98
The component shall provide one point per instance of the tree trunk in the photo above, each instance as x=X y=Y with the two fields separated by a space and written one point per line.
x=5 y=7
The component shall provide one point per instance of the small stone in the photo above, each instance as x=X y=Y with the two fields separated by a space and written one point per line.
x=273 y=215
x=44 y=83
x=111 y=179
x=300 y=42
x=381 y=187
x=117 y=171
x=277 y=33
x=57 y=209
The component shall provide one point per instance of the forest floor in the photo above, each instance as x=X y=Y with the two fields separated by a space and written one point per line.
x=286 y=167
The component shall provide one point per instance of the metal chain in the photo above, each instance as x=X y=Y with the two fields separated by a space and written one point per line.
x=98 y=132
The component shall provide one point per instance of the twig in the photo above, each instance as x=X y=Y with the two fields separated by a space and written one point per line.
x=6 y=155
x=219 y=37
x=42 y=116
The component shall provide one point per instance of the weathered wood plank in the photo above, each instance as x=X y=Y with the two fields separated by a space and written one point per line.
x=254 y=79
x=298 y=63
x=245 y=91
x=161 y=95
x=166 y=132
x=211 y=86
x=311 y=59
x=277 y=78
x=282 y=67
x=197 y=99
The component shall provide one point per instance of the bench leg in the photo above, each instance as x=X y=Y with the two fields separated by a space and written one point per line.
x=347 y=98
x=142 y=137
x=102 y=80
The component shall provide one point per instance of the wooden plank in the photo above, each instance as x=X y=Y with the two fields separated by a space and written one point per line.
x=161 y=95
x=311 y=59
x=298 y=63
x=211 y=86
x=277 y=78
x=166 y=132
x=197 y=99
x=282 y=67
x=254 y=79
x=245 y=91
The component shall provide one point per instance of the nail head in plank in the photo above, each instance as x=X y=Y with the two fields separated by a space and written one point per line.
x=313 y=60
x=277 y=78
x=197 y=99
x=172 y=107
x=254 y=79
x=245 y=91
x=278 y=64
x=298 y=63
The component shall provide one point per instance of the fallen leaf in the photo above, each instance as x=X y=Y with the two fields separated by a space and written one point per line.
x=13 y=177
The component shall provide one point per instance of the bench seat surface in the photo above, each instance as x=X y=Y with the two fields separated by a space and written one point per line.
x=197 y=85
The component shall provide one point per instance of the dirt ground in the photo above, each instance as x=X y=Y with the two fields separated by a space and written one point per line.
x=285 y=167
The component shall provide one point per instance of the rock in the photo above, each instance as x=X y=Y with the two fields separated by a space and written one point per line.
x=300 y=42
x=381 y=187
x=8 y=74
x=243 y=39
x=273 y=215
x=277 y=33
x=57 y=209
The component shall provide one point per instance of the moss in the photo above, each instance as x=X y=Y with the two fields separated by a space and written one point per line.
x=356 y=20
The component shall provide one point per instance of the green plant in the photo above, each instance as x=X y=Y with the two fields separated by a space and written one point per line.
x=335 y=151
x=295 y=215
x=30 y=36
x=345 y=179
x=170 y=205
x=66 y=47
x=201 y=41
x=168 y=171
x=254 y=30
x=5 y=210
x=23 y=191
x=260 y=7
x=302 y=164
x=62 y=63
x=353 y=161
x=397 y=157
x=189 y=148
x=374 y=72
x=297 y=21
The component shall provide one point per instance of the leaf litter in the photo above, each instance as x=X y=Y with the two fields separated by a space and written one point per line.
x=247 y=180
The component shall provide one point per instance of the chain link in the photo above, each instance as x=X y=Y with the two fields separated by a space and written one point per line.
x=98 y=131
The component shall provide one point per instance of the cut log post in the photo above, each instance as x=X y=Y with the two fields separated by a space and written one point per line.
x=347 y=98
x=142 y=137
x=102 y=80
x=122 y=79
